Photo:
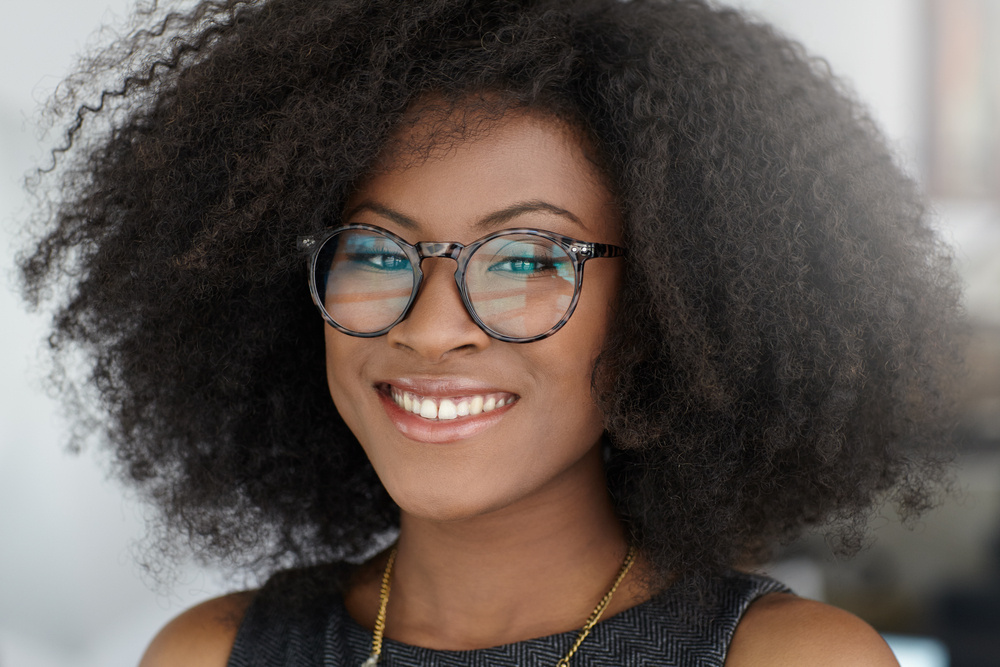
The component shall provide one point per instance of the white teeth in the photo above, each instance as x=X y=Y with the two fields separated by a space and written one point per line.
x=428 y=410
x=448 y=408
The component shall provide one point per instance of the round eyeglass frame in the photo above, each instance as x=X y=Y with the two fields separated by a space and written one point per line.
x=579 y=252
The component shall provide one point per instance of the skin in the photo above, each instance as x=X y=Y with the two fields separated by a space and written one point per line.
x=489 y=522
x=507 y=531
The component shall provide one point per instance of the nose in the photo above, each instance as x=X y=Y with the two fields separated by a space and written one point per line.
x=438 y=326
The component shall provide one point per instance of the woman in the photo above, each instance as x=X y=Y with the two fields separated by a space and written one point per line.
x=518 y=466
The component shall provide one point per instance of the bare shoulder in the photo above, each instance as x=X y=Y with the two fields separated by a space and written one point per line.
x=202 y=636
x=782 y=629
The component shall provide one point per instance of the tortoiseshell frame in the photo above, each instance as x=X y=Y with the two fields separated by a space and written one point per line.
x=579 y=252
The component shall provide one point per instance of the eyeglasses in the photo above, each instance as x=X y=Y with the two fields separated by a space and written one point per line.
x=518 y=285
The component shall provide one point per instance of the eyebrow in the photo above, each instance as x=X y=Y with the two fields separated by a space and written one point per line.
x=487 y=222
x=384 y=211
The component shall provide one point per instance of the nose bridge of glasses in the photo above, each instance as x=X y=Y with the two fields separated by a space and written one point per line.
x=446 y=250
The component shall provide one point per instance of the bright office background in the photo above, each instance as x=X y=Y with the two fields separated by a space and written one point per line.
x=71 y=594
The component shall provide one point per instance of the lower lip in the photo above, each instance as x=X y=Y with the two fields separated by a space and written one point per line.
x=417 y=428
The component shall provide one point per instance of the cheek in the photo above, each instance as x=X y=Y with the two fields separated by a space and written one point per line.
x=342 y=364
x=588 y=327
x=570 y=354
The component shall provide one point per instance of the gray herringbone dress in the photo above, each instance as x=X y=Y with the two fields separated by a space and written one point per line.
x=669 y=630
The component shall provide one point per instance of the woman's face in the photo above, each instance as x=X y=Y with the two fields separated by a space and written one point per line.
x=547 y=432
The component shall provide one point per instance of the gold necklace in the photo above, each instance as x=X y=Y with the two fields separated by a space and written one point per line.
x=595 y=616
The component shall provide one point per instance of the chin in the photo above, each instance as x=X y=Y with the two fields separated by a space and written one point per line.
x=448 y=502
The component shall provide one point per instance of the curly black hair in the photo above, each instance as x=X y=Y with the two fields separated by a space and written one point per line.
x=783 y=350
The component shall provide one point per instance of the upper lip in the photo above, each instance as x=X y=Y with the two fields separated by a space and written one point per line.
x=443 y=387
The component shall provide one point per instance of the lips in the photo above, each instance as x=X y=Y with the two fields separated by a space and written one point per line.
x=443 y=411
x=454 y=407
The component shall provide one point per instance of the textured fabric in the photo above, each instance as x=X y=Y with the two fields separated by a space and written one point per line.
x=670 y=630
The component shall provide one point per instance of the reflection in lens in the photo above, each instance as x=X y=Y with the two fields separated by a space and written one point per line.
x=365 y=280
x=520 y=285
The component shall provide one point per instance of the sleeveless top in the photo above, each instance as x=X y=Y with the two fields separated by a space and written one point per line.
x=671 y=630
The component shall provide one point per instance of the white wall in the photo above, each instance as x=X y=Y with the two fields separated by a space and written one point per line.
x=877 y=45
x=70 y=591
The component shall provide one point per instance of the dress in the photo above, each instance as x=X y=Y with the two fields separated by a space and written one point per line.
x=670 y=630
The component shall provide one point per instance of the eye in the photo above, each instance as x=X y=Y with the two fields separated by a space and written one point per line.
x=375 y=254
x=522 y=265
x=527 y=259
x=381 y=261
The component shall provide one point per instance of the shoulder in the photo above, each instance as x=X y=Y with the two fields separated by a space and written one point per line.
x=202 y=636
x=782 y=629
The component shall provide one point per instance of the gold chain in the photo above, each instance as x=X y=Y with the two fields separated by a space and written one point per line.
x=595 y=616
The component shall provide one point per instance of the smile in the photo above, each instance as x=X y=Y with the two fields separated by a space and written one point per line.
x=442 y=409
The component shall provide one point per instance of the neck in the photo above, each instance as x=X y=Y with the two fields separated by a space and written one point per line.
x=533 y=568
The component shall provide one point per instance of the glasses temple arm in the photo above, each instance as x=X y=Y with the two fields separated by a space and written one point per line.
x=590 y=250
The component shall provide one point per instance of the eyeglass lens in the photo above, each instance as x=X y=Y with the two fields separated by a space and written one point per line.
x=519 y=285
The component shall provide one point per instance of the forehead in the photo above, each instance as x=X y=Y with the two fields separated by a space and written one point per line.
x=448 y=173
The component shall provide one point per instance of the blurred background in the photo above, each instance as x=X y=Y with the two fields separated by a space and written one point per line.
x=71 y=592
